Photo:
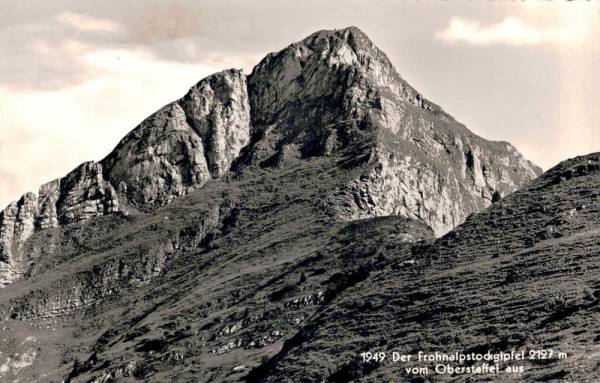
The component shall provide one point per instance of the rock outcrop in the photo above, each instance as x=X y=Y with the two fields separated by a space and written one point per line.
x=218 y=111
x=183 y=145
x=10 y=220
x=84 y=194
x=336 y=92
x=80 y=195
x=438 y=177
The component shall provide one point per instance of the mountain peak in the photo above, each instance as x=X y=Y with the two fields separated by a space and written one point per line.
x=230 y=219
x=336 y=92
x=333 y=97
x=352 y=36
x=183 y=145
x=335 y=63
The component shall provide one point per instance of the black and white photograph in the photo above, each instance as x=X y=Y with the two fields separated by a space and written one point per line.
x=299 y=191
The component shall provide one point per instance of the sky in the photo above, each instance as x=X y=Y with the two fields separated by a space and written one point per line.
x=76 y=76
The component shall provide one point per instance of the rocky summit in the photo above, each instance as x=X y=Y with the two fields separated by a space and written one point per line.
x=333 y=95
x=274 y=226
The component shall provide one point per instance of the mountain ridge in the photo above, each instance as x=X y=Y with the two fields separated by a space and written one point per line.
x=332 y=93
x=353 y=219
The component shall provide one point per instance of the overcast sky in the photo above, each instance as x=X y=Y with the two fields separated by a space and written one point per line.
x=76 y=76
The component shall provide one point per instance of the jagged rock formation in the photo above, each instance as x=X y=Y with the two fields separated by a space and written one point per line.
x=336 y=90
x=80 y=195
x=231 y=220
x=172 y=152
x=184 y=144
x=334 y=94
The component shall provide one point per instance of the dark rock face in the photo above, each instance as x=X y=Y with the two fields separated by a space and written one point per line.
x=249 y=210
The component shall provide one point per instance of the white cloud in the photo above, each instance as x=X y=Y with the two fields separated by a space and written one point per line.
x=48 y=53
x=510 y=31
x=89 y=24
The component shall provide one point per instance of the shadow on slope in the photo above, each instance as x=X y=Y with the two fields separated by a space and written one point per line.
x=520 y=275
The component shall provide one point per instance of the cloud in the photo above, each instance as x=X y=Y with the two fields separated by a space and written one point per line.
x=84 y=23
x=52 y=52
x=510 y=31
x=49 y=53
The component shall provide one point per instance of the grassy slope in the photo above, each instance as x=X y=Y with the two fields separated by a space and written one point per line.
x=274 y=258
x=519 y=275
x=279 y=287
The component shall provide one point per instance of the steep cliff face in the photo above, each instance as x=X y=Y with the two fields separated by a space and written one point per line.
x=439 y=174
x=14 y=222
x=80 y=195
x=217 y=109
x=184 y=144
x=335 y=92
x=85 y=194
x=315 y=89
